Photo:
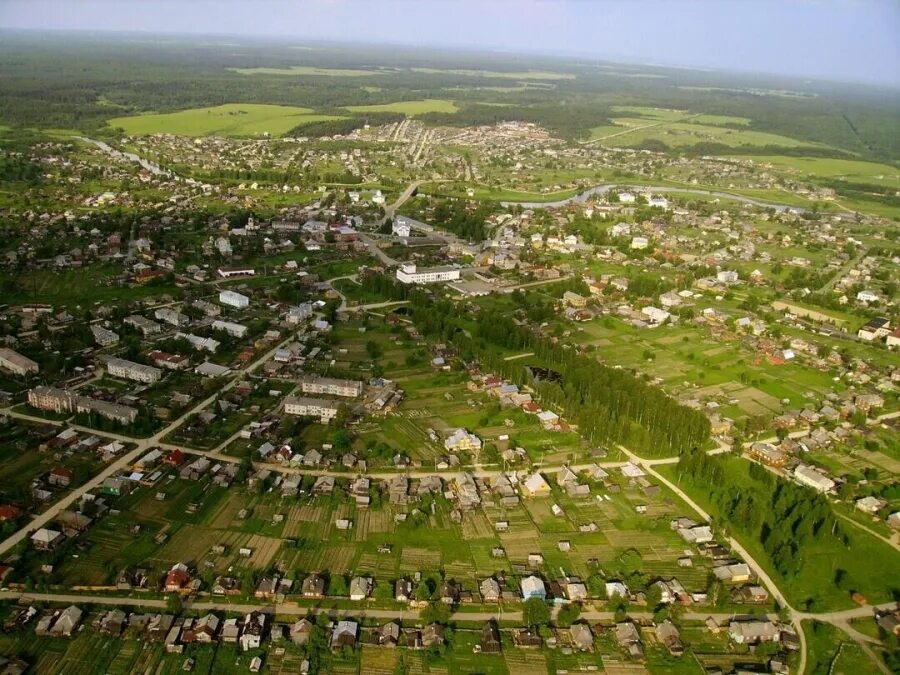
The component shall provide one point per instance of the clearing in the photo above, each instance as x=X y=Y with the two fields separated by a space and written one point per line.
x=232 y=119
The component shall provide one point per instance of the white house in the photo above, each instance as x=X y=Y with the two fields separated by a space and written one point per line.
x=655 y=315
x=400 y=229
x=533 y=587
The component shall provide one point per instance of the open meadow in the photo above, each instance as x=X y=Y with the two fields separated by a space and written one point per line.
x=232 y=119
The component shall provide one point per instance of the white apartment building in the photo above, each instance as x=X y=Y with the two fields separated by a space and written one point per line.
x=410 y=274
x=322 y=408
x=331 y=386
x=234 y=299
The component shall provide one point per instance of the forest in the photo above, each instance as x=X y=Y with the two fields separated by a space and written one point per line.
x=609 y=405
x=74 y=81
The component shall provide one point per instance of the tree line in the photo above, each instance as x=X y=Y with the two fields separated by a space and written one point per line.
x=609 y=405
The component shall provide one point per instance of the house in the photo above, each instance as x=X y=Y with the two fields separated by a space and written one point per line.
x=870 y=504
x=46 y=540
x=490 y=638
x=66 y=622
x=462 y=441
x=403 y=590
x=628 y=638
x=206 y=628
x=875 y=329
x=344 y=634
x=231 y=631
x=387 y=635
x=668 y=635
x=60 y=476
x=301 y=631
x=582 y=637
x=177 y=578
x=490 y=590
x=616 y=588
x=432 y=635
x=252 y=634
x=574 y=299
x=313 y=586
x=526 y=638
x=655 y=315
x=400 y=229
x=533 y=587
x=112 y=622
x=360 y=587
x=536 y=486
x=753 y=632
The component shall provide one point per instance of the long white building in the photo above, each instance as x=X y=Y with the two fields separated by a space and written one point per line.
x=322 y=408
x=234 y=299
x=410 y=274
x=331 y=386
x=130 y=370
x=813 y=478
x=13 y=362
x=234 y=329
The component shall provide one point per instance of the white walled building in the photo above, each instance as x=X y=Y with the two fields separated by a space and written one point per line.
x=410 y=274
x=234 y=299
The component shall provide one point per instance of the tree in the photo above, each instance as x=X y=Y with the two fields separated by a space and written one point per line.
x=535 y=612
x=436 y=612
x=569 y=614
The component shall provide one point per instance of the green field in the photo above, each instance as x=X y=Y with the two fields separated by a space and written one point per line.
x=306 y=70
x=832 y=651
x=232 y=119
x=510 y=75
x=411 y=108
x=677 y=128
x=845 y=169
x=72 y=287
x=865 y=560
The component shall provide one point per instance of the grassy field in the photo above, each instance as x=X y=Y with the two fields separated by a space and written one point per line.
x=866 y=560
x=677 y=128
x=307 y=70
x=71 y=287
x=831 y=651
x=233 y=119
x=410 y=108
x=845 y=169
x=509 y=75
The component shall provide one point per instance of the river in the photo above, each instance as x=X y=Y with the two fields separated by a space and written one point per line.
x=582 y=197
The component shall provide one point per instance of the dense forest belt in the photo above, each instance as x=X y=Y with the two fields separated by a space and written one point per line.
x=609 y=405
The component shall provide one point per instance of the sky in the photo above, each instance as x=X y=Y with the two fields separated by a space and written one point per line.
x=842 y=40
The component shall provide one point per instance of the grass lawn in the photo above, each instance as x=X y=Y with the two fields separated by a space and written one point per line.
x=831 y=651
x=232 y=119
x=411 y=108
